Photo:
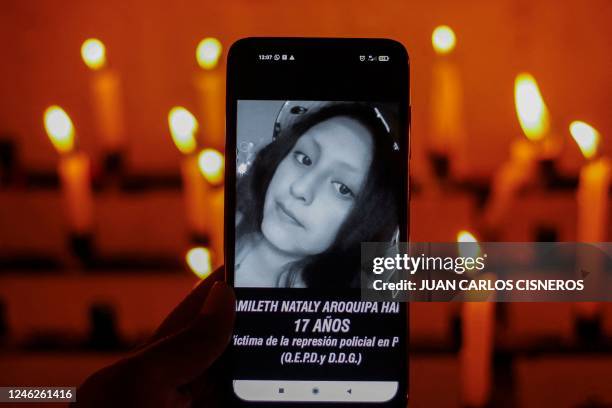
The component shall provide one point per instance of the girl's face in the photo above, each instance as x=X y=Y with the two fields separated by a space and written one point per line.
x=314 y=187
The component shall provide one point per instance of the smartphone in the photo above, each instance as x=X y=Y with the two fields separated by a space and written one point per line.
x=320 y=132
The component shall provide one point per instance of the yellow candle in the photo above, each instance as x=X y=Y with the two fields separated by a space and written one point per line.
x=106 y=96
x=212 y=166
x=476 y=352
x=73 y=170
x=593 y=201
x=478 y=320
x=183 y=127
x=210 y=84
x=217 y=204
x=521 y=169
x=592 y=196
x=448 y=136
x=75 y=176
x=196 y=192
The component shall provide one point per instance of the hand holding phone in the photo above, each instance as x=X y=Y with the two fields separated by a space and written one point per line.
x=179 y=365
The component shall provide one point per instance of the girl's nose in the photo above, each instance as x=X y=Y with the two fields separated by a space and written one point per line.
x=303 y=188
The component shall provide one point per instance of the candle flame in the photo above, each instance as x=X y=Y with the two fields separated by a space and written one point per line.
x=211 y=165
x=59 y=128
x=199 y=261
x=586 y=136
x=208 y=53
x=93 y=53
x=467 y=244
x=466 y=236
x=183 y=126
x=530 y=107
x=443 y=39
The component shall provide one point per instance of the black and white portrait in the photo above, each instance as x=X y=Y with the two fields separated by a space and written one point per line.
x=314 y=180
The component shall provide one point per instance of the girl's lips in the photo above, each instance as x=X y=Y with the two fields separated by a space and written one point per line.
x=288 y=215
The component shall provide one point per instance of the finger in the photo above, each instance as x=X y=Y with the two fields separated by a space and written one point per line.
x=180 y=358
x=189 y=308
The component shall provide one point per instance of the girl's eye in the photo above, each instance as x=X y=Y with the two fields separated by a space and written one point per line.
x=343 y=189
x=302 y=158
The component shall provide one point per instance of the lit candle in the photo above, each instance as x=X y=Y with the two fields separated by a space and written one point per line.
x=198 y=260
x=475 y=356
x=521 y=170
x=106 y=98
x=592 y=197
x=183 y=127
x=73 y=171
x=212 y=167
x=209 y=82
x=448 y=137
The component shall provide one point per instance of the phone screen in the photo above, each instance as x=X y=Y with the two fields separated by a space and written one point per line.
x=320 y=132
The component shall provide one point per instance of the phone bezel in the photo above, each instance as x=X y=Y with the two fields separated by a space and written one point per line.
x=251 y=79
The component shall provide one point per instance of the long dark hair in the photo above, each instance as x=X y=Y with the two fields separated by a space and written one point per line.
x=374 y=216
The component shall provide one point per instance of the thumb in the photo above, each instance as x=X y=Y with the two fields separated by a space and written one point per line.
x=182 y=357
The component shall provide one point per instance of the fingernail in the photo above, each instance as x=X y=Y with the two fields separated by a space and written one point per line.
x=219 y=300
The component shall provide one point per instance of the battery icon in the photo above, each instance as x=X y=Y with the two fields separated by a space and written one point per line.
x=383 y=58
